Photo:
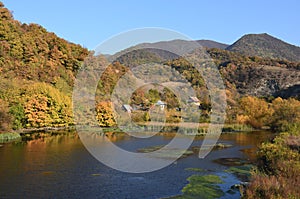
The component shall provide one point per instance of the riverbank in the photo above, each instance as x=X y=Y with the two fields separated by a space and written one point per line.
x=186 y=129
x=45 y=129
x=278 y=171
x=23 y=133
x=9 y=137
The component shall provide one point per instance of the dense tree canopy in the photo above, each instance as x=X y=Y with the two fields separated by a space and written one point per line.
x=37 y=72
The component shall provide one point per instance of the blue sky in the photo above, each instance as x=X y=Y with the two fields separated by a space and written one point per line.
x=91 y=22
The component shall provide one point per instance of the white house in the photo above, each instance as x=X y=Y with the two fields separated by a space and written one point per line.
x=194 y=101
x=161 y=104
x=127 y=108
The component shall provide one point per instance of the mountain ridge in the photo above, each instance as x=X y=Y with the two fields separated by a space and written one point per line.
x=260 y=45
x=265 y=45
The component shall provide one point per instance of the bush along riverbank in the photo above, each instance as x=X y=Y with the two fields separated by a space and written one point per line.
x=32 y=133
x=278 y=173
x=9 y=137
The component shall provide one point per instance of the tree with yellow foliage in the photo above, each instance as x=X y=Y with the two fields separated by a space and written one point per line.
x=255 y=112
x=46 y=106
x=286 y=113
x=105 y=114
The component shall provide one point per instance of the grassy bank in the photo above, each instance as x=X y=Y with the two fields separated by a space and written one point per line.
x=8 y=137
x=185 y=128
x=188 y=128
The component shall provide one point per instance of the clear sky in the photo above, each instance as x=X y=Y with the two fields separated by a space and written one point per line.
x=91 y=22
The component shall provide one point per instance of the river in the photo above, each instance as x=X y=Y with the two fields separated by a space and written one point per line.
x=57 y=165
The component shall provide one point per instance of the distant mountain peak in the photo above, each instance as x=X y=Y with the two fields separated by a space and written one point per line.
x=265 y=45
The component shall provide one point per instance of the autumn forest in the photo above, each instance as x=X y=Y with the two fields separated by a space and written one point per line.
x=38 y=70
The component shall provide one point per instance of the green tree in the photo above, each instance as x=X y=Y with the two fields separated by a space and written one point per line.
x=153 y=95
x=18 y=113
x=170 y=98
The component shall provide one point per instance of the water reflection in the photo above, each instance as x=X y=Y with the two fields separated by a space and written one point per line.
x=56 y=165
x=251 y=139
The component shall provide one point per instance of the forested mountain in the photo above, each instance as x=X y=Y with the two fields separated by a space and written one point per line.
x=264 y=45
x=28 y=51
x=166 y=50
x=173 y=45
x=37 y=72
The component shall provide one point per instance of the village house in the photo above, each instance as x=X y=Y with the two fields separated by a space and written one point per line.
x=194 y=101
x=127 y=108
x=161 y=104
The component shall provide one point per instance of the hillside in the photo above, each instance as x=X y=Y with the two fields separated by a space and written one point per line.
x=173 y=45
x=37 y=74
x=258 y=76
x=166 y=50
x=250 y=75
x=29 y=52
x=264 y=45
x=38 y=70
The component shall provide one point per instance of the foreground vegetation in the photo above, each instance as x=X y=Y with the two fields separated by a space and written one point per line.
x=37 y=73
x=278 y=173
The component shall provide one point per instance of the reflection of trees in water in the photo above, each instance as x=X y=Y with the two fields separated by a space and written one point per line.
x=245 y=139
x=251 y=139
x=49 y=138
x=114 y=137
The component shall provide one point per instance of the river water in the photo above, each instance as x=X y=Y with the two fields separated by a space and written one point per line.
x=57 y=165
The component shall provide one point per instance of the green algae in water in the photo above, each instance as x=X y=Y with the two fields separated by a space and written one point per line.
x=246 y=169
x=222 y=146
x=202 y=187
x=150 y=149
x=241 y=172
x=166 y=153
x=195 y=169
x=96 y=174
x=218 y=146
x=231 y=161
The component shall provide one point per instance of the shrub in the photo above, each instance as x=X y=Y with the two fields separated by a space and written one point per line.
x=255 y=112
x=286 y=114
x=279 y=169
